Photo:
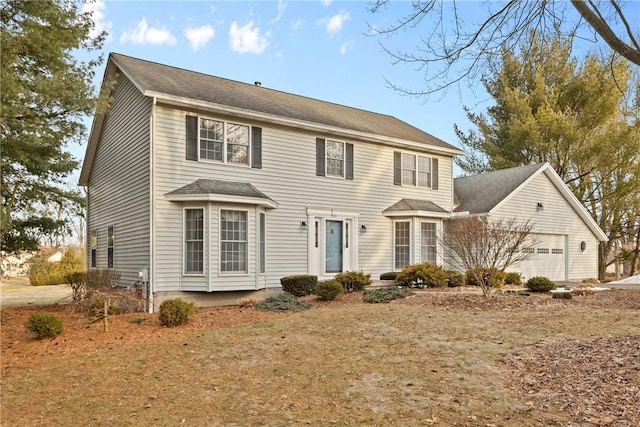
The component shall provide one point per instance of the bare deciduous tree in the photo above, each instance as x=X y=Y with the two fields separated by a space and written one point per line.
x=452 y=48
x=486 y=247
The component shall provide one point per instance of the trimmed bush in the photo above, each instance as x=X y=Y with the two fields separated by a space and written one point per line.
x=562 y=295
x=329 y=290
x=513 y=278
x=385 y=295
x=499 y=277
x=390 y=275
x=176 y=312
x=540 y=284
x=282 y=302
x=299 y=285
x=422 y=275
x=44 y=325
x=44 y=273
x=353 y=281
x=454 y=278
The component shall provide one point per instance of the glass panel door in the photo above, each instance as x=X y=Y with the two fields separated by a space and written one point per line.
x=333 y=256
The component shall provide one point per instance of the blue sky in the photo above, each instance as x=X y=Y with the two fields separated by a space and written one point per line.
x=320 y=49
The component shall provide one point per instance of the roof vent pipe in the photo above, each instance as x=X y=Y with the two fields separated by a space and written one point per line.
x=257 y=83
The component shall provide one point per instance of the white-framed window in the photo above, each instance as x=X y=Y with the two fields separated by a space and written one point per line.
x=428 y=242
x=401 y=244
x=194 y=241
x=233 y=241
x=414 y=170
x=335 y=158
x=263 y=242
x=224 y=141
x=110 y=246
x=94 y=248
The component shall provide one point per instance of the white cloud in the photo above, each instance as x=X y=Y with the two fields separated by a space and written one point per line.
x=296 y=24
x=96 y=10
x=326 y=3
x=199 y=37
x=346 y=46
x=247 y=39
x=281 y=7
x=143 y=34
x=334 y=24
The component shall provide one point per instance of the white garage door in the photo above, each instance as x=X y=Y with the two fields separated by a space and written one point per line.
x=549 y=258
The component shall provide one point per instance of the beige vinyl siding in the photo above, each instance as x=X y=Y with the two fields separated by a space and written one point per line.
x=118 y=189
x=288 y=176
x=558 y=218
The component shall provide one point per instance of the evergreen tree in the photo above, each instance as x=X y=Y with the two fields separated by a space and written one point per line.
x=45 y=93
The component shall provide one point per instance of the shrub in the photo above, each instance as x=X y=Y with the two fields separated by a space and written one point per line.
x=43 y=272
x=513 y=278
x=299 y=285
x=247 y=302
x=44 y=325
x=176 y=312
x=102 y=278
x=384 y=295
x=540 y=284
x=562 y=295
x=78 y=283
x=454 y=278
x=96 y=308
x=499 y=277
x=422 y=275
x=329 y=290
x=353 y=281
x=390 y=275
x=282 y=302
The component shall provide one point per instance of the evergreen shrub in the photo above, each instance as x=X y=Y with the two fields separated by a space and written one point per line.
x=176 y=312
x=299 y=285
x=353 y=281
x=540 y=284
x=282 y=302
x=385 y=295
x=329 y=290
x=44 y=325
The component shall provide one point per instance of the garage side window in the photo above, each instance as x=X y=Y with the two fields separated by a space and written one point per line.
x=194 y=241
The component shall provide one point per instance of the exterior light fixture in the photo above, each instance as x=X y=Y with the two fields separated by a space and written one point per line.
x=540 y=206
x=363 y=228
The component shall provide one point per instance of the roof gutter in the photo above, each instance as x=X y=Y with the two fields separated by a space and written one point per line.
x=301 y=124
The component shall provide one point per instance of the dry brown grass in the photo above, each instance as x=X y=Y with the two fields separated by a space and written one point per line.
x=434 y=359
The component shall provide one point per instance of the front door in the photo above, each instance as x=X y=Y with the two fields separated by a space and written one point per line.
x=333 y=251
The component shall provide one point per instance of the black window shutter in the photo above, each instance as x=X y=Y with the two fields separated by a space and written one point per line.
x=256 y=148
x=192 y=138
x=434 y=172
x=348 y=174
x=320 y=157
x=397 y=168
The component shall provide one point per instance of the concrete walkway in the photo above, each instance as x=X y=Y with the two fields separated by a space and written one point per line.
x=17 y=291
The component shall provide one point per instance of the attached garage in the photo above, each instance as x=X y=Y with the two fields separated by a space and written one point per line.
x=548 y=258
x=567 y=237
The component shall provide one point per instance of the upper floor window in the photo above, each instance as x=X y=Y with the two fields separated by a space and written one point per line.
x=223 y=141
x=414 y=170
x=334 y=158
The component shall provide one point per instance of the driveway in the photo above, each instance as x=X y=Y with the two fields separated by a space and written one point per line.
x=18 y=291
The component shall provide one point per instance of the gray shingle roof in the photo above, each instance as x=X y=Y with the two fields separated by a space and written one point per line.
x=164 y=79
x=414 y=205
x=480 y=193
x=214 y=186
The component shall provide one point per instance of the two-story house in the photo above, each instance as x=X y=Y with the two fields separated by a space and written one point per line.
x=209 y=188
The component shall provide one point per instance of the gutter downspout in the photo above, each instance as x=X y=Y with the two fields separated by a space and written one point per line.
x=152 y=247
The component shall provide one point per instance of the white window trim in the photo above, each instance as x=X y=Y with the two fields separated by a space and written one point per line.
x=417 y=172
x=248 y=242
x=326 y=159
x=436 y=240
x=225 y=143
x=393 y=241
x=262 y=231
x=204 y=241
